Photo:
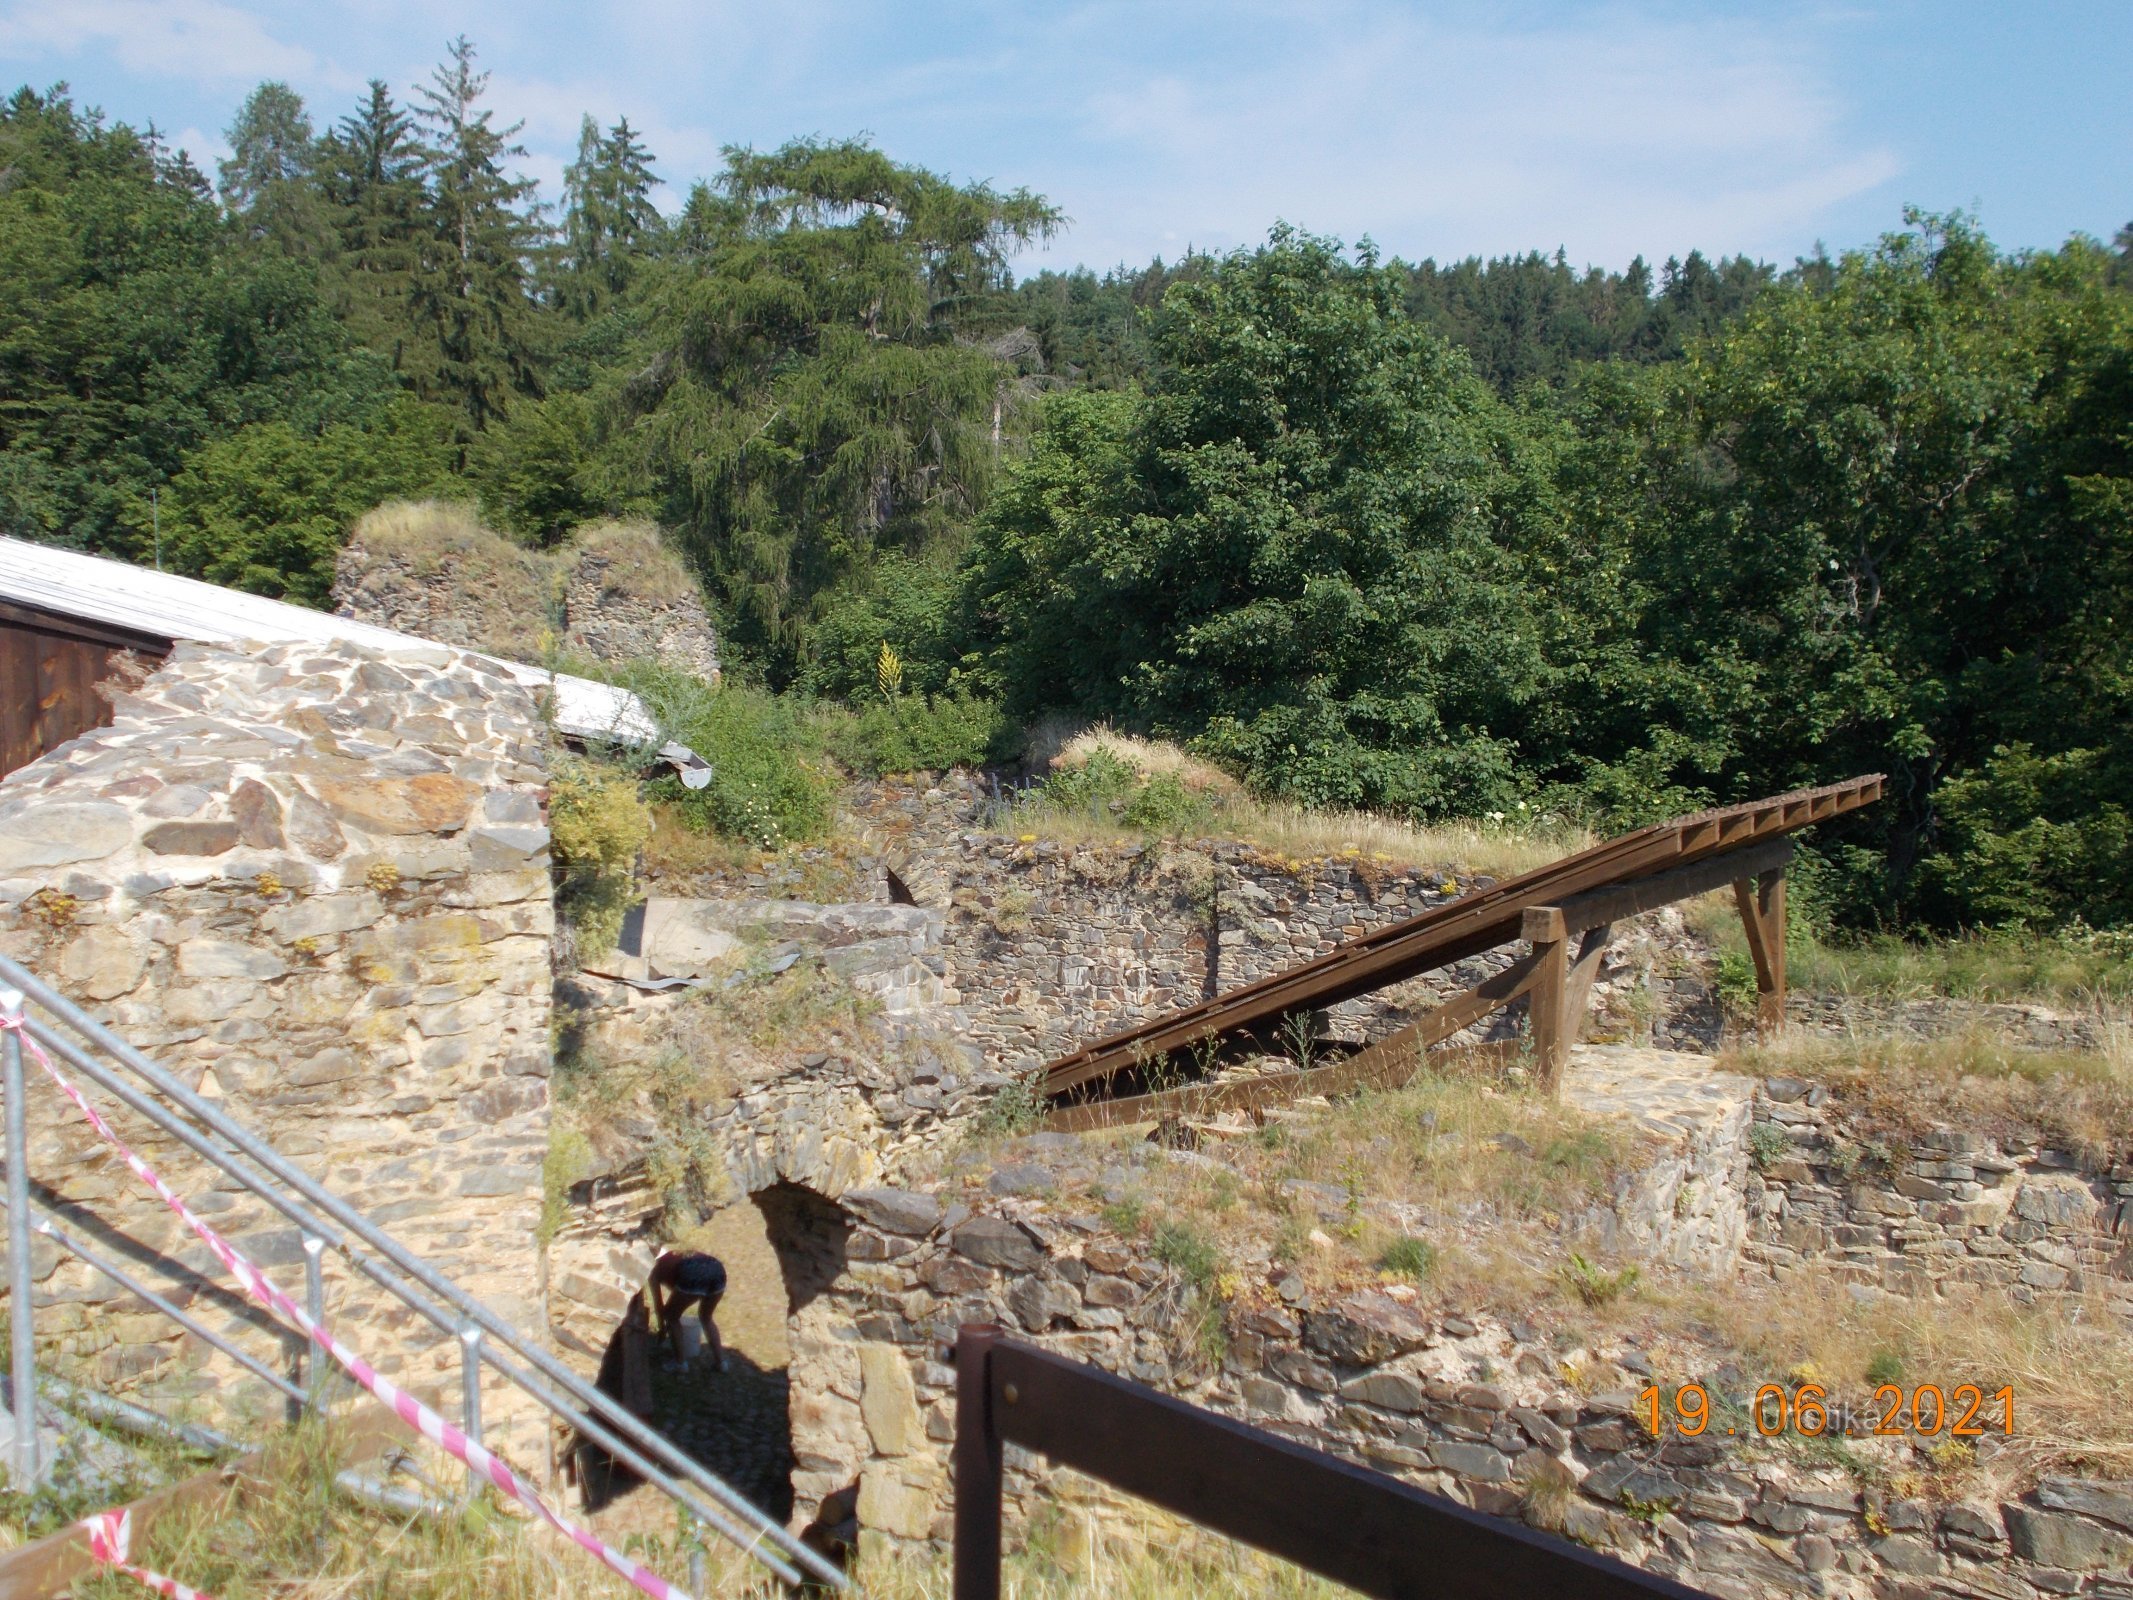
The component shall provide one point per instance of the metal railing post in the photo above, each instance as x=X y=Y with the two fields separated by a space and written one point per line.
x=210 y=1133
x=979 y=1468
x=22 y=1348
x=315 y=1373
x=470 y=1395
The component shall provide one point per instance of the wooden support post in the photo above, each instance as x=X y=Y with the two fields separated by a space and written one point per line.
x=1762 y=914
x=1544 y=931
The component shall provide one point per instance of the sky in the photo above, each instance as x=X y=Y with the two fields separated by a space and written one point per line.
x=1447 y=129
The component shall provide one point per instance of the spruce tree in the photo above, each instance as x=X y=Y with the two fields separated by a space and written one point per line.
x=371 y=171
x=608 y=218
x=470 y=296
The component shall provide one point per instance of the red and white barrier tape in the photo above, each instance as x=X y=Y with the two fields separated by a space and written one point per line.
x=410 y=1410
x=110 y=1533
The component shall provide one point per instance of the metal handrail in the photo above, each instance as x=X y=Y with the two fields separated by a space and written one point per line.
x=412 y=1296
x=335 y=1223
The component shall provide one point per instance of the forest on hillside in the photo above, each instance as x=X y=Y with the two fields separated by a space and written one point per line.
x=1441 y=540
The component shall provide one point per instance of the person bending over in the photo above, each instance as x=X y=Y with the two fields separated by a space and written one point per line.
x=679 y=1280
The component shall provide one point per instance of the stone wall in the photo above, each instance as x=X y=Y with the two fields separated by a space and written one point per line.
x=515 y=603
x=313 y=883
x=1950 y=1210
x=1471 y=1407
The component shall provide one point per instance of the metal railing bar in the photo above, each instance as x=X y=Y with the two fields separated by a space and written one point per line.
x=111 y=1412
x=267 y=1160
x=184 y=1319
x=108 y=1410
x=22 y=1350
x=580 y=1418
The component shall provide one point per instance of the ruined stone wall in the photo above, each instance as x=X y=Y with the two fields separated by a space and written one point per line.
x=518 y=603
x=1471 y=1407
x=313 y=883
x=1949 y=1210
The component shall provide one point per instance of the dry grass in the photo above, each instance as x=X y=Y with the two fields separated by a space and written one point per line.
x=295 y=1539
x=1154 y=758
x=427 y=533
x=1904 y=1088
x=1497 y=849
x=640 y=562
x=1499 y=1183
x=2070 y=1362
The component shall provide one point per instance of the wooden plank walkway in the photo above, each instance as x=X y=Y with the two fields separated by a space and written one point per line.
x=1633 y=872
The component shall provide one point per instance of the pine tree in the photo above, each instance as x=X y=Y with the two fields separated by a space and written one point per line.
x=470 y=287
x=371 y=171
x=608 y=218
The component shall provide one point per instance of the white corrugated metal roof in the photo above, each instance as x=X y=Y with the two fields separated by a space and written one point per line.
x=167 y=606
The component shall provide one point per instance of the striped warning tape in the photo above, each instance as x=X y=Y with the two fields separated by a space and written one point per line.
x=410 y=1410
x=110 y=1535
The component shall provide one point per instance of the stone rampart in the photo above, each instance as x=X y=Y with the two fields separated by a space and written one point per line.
x=313 y=883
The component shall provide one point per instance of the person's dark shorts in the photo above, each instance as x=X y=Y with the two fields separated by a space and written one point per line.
x=701 y=1276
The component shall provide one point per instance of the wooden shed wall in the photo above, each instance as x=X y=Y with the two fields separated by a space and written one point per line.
x=49 y=669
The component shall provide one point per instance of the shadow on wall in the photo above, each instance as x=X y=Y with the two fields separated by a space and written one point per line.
x=782 y=1247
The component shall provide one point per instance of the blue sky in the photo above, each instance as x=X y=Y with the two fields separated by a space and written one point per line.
x=1438 y=129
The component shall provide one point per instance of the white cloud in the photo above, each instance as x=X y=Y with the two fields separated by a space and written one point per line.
x=1610 y=136
x=202 y=40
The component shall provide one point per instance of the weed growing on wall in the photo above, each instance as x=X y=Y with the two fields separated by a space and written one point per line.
x=598 y=825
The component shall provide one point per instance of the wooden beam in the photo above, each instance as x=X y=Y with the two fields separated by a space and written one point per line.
x=1546 y=1024
x=1383 y=1065
x=1762 y=915
x=1451 y=932
x=1620 y=902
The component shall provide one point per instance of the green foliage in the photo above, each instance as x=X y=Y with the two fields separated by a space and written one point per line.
x=1767 y=1145
x=918 y=733
x=1884 y=1366
x=1189 y=1253
x=1594 y=1284
x=1015 y=1110
x=814 y=404
x=769 y=783
x=1166 y=805
x=1736 y=985
x=1408 y=1257
x=267 y=508
x=1286 y=551
x=130 y=334
x=597 y=824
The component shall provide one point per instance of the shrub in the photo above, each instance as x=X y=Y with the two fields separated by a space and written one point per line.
x=919 y=733
x=1594 y=1284
x=598 y=824
x=768 y=780
x=1408 y=1257
x=1194 y=1257
x=1737 y=990
x=1165 y=805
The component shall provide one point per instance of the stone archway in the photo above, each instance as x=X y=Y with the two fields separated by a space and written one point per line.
x=781 y=1246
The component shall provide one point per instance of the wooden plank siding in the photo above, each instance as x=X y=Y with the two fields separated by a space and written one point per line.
x=49 y=668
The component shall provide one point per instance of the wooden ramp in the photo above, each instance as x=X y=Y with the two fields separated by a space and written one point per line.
x=1574 y=900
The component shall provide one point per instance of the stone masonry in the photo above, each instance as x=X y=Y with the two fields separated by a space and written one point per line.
x=1953 y=1210
x=314 y=884
x=1473 y=1407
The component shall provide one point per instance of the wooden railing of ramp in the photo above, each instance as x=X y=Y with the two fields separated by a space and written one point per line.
x=1572 y=902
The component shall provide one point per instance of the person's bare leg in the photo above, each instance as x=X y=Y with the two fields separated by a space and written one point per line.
x=670 y=1323
x=703 y=1317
